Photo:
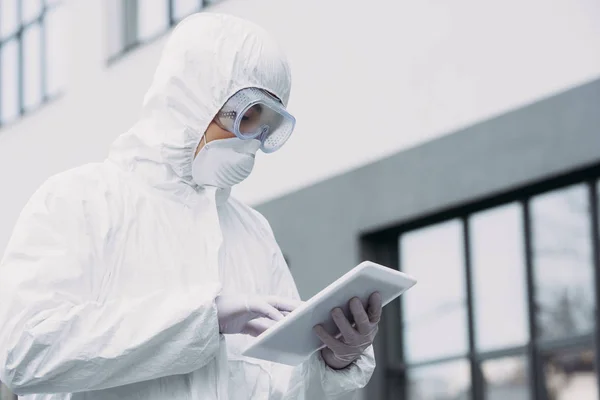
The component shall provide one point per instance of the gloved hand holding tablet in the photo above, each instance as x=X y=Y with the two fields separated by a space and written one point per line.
x=293 y=339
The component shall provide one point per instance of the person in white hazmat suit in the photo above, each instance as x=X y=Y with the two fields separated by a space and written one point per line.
x=141 y=278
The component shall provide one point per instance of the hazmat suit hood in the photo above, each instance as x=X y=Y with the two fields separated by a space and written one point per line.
x=207 y=59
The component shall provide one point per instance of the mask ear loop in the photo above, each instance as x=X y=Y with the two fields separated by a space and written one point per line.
x=205 y=142
x=204 y=135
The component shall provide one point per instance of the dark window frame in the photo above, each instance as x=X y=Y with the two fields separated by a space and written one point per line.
x=128 y=19
x=382 y=246
x=17 y=36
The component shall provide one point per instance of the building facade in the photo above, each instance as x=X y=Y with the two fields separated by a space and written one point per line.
x=375 y=79
x=499 y=223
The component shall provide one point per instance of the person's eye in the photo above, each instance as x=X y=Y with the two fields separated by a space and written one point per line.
x=248 y=116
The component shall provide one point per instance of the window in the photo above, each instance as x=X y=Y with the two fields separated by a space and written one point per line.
x=506 y=304
x=435 y=321
x=32 y=58
x=506 y=378
x=562 y=261
x=445 y=381
x=499 y=285
x=133 y=22
x=570 y=375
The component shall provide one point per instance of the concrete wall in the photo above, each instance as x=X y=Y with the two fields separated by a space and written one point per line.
x=369 y=80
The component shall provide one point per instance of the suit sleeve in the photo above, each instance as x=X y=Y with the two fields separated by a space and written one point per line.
x=54 y=338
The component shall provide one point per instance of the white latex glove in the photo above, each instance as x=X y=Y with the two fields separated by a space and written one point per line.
x=340 y=353
x=251 y=315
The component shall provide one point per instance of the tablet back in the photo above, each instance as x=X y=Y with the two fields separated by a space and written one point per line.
x=292 y=340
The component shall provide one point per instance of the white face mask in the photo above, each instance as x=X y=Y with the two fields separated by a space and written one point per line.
x=225 y=162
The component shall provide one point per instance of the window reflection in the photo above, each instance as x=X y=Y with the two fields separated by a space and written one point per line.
x=57 y=29
x=506 y=378
x=500 y=290
x=153 y=18
x=435 y=322
x=447 y=381
x=135 y=22
x=115 y=13
x=563 y=273
x=9 y=78
x=183 y=8
x=570 y=375
x=32 y=66
x=9 y=21
x=30 y=10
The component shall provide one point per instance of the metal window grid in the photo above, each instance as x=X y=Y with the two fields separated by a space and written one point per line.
x=18 y=36
x=383 y=246
x=129 y=21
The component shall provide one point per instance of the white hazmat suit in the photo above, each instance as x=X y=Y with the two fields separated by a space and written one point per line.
x=108 y=284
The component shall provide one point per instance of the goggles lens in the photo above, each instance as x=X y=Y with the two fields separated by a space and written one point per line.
x=254 y=114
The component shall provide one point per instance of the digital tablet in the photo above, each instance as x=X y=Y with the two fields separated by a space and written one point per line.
x=292 y=340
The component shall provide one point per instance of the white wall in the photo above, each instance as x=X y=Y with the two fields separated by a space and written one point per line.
x=369 y=79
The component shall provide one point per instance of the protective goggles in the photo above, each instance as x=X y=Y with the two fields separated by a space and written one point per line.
x=253 y=113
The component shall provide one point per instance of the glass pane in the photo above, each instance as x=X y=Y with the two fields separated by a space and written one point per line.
x=571 y=375
x=183 y=8
x=153 y=18
x=435 y=318
x=8 y=18
x=31 y=10
x=32 y=66
x=499 y=278
x=506 y=378
x=563 y=273
x=57 y=57
x=9 y=85
x=447 y=381
x=114 y=26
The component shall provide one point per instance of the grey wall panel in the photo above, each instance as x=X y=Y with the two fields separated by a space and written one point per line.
x=319 y=227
